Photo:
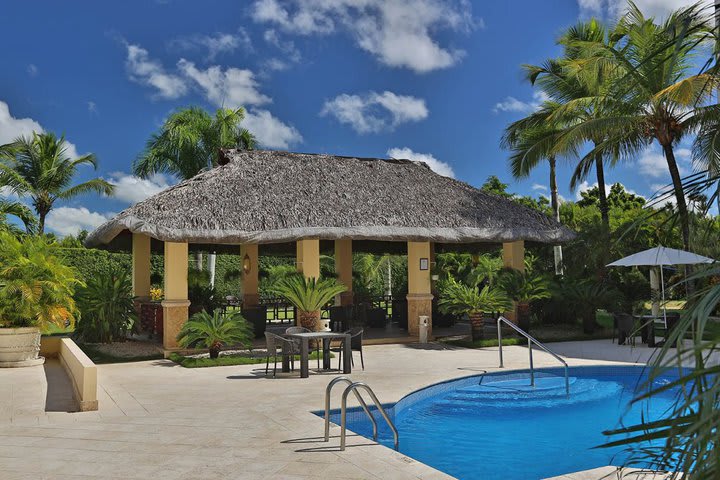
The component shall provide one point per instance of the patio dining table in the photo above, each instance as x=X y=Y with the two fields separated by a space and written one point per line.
x=326 y=338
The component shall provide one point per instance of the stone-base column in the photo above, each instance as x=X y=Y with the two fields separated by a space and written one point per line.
x=419 y=304
x=175 y=314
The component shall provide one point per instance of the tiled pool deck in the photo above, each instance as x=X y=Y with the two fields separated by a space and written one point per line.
x=158 y=420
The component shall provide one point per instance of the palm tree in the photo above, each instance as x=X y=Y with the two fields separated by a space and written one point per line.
x=39 y=167
x=189 y=142
x=16 y=209
x=309 y=296
x=536 y=138
x=661 y=100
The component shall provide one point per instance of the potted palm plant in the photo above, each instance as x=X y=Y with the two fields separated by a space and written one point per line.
x=459 y=299
x=36 y=291
x=215 y=331
x=524 y=288
x=308 y=296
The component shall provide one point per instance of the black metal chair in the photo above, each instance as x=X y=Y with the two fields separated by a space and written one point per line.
x=625 y=328
x=291 y=330
x=356 y=338
x=287 y=348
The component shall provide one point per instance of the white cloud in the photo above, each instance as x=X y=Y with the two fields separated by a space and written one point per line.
x=435 y=165
x=653 y=164
x=375 y=112
x=512 y=104
x=215 y=44
x=397 y=34
x=287 y=47
x=269 y=130
x=12 y=128
x=6 y=193
x=615 y=8
x=132 y=189
x=92 y=107
x=231 y=87
x=537 y=186
x=70 y=220
x=32 y=70
x=150 y=72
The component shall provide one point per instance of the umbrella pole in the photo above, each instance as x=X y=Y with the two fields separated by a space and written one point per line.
x=662 y=287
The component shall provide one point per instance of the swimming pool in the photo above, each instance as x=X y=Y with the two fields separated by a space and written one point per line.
x=495 y=426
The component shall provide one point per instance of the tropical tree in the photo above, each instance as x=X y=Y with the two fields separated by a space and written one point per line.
x=656 y=97
x=309 y=296
x=215 y=331
x=524 y=288
x=107 y=310
x=189 y=142
x=16 y=209
x=38 y=167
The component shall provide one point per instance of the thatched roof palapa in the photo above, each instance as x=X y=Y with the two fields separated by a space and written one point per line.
x=271 y=197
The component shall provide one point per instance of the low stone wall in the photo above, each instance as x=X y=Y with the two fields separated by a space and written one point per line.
x=79 y=368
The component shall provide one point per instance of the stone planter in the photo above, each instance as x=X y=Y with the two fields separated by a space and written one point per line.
x=19 y=347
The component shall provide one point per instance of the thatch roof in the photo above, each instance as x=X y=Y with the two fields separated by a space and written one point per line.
x=270 y=197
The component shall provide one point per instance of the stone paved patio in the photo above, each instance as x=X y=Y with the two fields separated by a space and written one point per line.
x=158 y=420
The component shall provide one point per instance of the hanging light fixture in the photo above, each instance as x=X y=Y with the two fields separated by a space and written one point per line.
x=247 y=266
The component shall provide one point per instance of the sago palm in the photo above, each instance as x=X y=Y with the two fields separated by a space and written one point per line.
x=39 y=168
x=308 y=296
x=215 y=331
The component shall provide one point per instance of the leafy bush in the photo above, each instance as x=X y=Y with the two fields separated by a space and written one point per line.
x=36 y=287
x=107 y=313
x=459 y=299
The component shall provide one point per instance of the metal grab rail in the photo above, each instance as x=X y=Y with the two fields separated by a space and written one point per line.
x=328 y=389
x=531 y=340
x=343 y=413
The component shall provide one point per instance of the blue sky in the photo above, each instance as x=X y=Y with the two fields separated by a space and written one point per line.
x=425 y=79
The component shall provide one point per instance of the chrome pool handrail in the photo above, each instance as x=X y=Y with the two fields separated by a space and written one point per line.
x=328 y=390
x=531 y=340
x=343 y=412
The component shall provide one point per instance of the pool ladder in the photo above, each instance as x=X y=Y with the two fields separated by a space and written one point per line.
x=353 y=387
x=531 y=340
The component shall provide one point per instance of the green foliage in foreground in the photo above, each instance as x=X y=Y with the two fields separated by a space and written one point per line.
x=225 y=360
x=107 y=311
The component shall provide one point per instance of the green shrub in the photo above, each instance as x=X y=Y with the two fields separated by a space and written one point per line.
x=107 y=313
x=215 y=331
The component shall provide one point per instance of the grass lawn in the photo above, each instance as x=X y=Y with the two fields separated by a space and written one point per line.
x=224 y=360
x=99 y=357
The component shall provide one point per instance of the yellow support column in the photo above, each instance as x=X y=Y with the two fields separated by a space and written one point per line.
x=343 y=268
x=308 y=258
x=419 y=297
x=176 y=303
x=141 y=266
x=514 y=257
x=250 y=266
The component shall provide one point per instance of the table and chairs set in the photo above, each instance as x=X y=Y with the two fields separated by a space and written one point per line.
x=297 y=341
x=627 y=327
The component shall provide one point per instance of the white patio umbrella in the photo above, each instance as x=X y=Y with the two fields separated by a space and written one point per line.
x=661 y=256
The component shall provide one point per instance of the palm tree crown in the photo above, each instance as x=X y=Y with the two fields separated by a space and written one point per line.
x=38 y=167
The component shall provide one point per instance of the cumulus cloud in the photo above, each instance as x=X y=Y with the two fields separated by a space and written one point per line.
x=287 y=47
x=132 y=189
x=512 y=104
x=12 y=128
x=441 y=168
x=229 y=87
x=215 y=44
x=537 y=186
x=397 y=34
x=375 y=112
x=652 y=162
x=70 y=220
x=269 y=130
x=147 y=71
x=585 y=186
x=615 y=8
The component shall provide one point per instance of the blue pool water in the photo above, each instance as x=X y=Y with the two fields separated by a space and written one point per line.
x=496 y=426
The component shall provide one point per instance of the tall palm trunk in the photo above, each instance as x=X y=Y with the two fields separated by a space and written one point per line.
x=604 y=215
x=679 y=194
x=41 y=222
x=557 y=249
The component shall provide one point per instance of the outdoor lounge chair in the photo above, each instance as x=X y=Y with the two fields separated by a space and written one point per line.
x=291 y=330
x=356 y=337
x=287 y=348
